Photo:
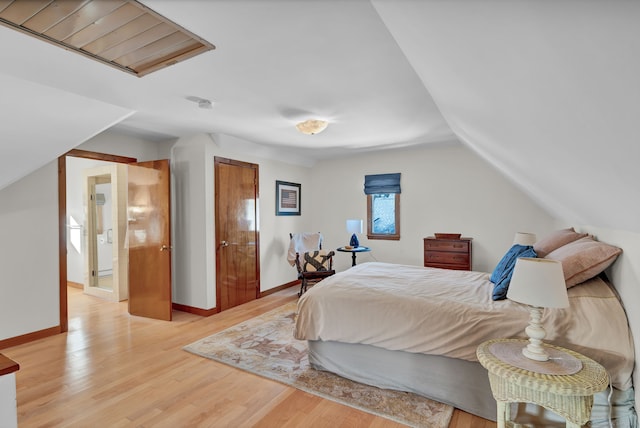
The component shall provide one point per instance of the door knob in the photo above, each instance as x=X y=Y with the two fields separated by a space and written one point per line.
x=165 y=248
x=224 y=244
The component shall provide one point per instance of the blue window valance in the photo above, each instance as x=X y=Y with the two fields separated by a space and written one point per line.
x=382 y=183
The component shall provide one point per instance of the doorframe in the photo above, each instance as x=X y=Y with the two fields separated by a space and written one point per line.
x=62 y=220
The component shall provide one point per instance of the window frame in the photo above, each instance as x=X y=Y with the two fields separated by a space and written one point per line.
x=385 y=236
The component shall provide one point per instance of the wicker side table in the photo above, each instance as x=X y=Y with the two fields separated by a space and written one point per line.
x=570 y=396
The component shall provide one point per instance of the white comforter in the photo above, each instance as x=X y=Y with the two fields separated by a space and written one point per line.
x=447 y=312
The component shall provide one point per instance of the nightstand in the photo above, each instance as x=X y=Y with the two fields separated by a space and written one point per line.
x=568 y=395
x=353 y=251
x=447 y=253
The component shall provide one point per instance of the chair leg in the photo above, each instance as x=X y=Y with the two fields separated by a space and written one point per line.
x=303 y=287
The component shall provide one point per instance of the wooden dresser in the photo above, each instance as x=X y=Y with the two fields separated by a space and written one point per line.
x=447 y=253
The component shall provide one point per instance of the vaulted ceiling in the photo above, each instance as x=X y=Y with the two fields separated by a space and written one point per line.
x=547 y=92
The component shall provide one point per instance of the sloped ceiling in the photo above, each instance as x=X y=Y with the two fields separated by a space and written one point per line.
x=39 y=123
x=548 y=92
x=545 y=91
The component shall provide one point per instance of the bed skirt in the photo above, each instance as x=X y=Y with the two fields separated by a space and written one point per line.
x=462 y=384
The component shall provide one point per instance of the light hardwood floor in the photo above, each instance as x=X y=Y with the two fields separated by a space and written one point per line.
x=116 y=370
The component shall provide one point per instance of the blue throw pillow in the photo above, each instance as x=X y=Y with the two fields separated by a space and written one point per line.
x=501 y=275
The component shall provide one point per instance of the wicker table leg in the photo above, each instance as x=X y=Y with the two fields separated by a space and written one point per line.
x=503 y=413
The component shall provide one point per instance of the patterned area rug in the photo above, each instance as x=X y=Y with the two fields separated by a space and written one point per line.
x=265 y=346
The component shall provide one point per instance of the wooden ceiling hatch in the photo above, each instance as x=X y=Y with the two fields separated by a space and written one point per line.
x=121 y=33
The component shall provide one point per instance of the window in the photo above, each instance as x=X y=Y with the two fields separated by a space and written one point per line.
x=383 y=206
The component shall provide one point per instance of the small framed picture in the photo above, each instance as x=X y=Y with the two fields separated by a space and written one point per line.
x=287 y=198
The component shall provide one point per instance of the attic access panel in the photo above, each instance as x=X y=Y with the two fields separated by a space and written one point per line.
x=122 y=33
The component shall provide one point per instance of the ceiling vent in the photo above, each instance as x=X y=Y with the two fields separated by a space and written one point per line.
x=122 y=33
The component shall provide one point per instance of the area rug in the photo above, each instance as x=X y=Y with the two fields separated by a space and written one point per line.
x=265 y=346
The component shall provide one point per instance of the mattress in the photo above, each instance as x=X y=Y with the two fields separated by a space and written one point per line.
x=449 y=313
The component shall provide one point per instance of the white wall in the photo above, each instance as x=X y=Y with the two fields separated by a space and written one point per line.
x=445 y=188
x=625 y=276
x=29 y=297
x=29 y=288
x=117 y=143
x=194 y=223
x=75 y=207
x=192 y=232
x=29 y=293
x=8 y=404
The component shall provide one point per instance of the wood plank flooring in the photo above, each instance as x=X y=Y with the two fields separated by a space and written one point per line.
x=116 y=370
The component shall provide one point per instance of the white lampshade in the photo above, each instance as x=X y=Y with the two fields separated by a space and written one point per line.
x=354 y=226
x=524 y=238
x=538 y=282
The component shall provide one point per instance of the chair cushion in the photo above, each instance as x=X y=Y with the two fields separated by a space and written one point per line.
x=314 y=261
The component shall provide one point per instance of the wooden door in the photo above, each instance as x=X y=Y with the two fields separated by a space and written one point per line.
x=237 y=235
x=149 y=228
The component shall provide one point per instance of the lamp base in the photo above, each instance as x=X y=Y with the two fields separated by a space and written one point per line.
x=535 y=354
x=534 y=350
x=354 y=241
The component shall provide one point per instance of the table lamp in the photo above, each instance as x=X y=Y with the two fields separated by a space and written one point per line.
x=524 y=238
x=354 y=226
x=540 y=284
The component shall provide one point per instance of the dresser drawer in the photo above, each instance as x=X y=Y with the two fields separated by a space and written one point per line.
x=444 y=258
x=446 y=245
x=448 y=253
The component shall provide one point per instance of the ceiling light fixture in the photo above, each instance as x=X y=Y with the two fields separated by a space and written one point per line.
x=312 y=126
x=202 y=102
x=205 y=104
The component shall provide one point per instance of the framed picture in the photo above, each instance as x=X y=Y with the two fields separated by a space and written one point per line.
x=287 y=198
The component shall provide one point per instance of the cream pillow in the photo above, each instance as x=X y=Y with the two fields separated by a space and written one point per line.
x=555 y=240
x=583 y=259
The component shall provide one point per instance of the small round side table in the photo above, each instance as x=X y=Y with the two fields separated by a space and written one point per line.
x=353 y=251
x=570 y=395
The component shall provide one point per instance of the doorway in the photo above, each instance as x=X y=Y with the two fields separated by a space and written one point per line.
x=237 y=232
x=105 y=213
x=67 y=223
x=141 y=278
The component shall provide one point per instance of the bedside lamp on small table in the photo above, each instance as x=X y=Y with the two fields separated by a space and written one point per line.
x=550 y=376
x=540 y=284
x=354 y=226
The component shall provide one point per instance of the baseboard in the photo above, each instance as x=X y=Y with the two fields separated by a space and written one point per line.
x=29 y=337
x=75 y=285
x=280 y=288
x=208 y=312
x=194 y=310
x=7 y=366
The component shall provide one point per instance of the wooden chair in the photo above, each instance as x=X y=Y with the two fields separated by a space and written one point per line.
x=312 y=263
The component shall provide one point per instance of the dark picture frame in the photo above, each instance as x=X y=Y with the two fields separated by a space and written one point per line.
x=288 y=198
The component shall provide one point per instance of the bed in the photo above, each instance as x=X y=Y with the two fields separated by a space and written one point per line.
x=416 y=329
